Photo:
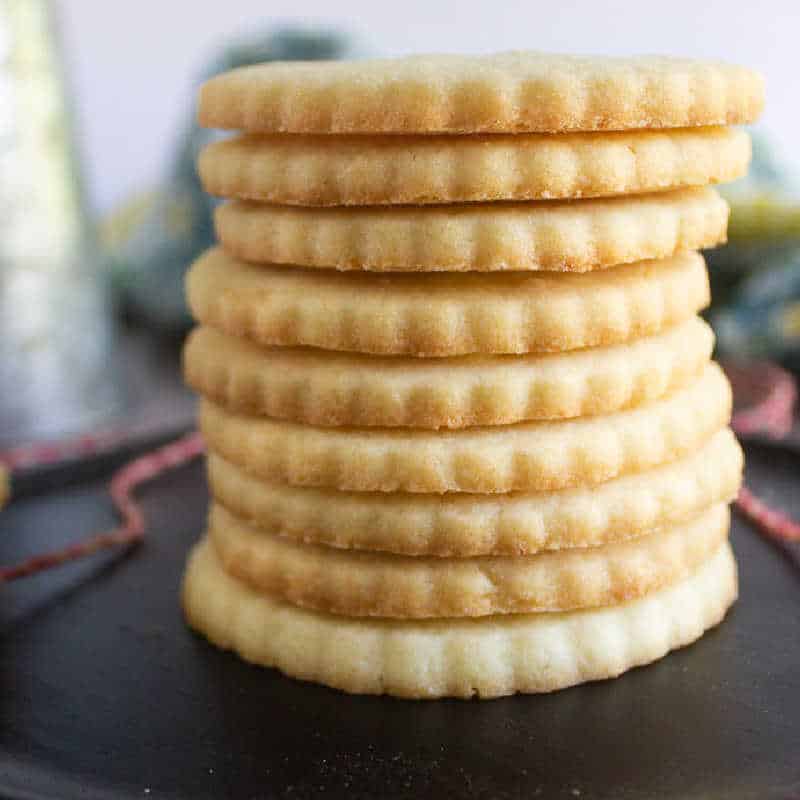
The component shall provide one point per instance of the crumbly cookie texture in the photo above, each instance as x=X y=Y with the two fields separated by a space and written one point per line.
x=378 y=170
x=463 y=525
x=532 y=456
x=444 y=314
x=360 y=584
x=487 y=657
x=508 y=92
x=560 y=236
x=331 y=389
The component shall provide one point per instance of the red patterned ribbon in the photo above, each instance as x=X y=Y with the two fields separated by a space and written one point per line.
x=770 y=396
x=773 y=522
x=123 y=483
x=42 y=453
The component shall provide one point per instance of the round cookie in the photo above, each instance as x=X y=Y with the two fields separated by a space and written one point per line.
x=378 y=170
x=463 y=525
x=330 y=389
x=508 y=92
x=360 y=584
x=531 y=456
x=444 y=314
x=487 y=657
x=560 y=236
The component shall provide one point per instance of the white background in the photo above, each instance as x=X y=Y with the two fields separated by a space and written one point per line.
x=131 y=62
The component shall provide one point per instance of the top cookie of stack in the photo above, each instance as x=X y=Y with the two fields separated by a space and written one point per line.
x=575 y=379
x=510 y=93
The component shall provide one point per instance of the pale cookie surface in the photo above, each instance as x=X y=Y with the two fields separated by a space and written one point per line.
x=487 y=657
x=479 y=237
x=360 y=584
x=473 y=525
x=378 y=170
x=501 y=93
x=444 y=314
x=330 y=389
x=531 y=456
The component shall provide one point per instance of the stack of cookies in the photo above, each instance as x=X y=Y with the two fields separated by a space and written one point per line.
x=465 y=436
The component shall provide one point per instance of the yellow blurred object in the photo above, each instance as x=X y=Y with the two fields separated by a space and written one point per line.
x=764 y=217
x=118 y=226
x=790 y=321
x=5 y=485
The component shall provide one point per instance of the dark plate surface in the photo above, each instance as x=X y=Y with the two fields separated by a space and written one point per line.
x=105 y=694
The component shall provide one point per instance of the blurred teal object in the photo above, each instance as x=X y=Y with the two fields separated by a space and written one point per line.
x=763 y=320
x=155 y=237
x=755 y=278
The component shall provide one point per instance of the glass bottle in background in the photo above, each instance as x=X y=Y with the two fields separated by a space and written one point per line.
x=56 y=368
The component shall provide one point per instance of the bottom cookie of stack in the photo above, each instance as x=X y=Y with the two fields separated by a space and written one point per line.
x=488 y=656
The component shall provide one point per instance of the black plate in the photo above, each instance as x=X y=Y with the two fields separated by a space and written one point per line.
x=105 y=694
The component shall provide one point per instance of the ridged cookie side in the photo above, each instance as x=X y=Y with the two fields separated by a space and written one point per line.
x=488 y=657
x=532 y=456
x=460 y=525
x=378 y=170
x=444 y=314
x=508 y=92
x=331 y=389
x=360 y=584
x=560 y=236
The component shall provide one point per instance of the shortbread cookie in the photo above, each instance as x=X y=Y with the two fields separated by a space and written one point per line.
x=474 y=525
x=445 y=314
x=487 y=657
x=324 y=388
x=479 y=237
x=360 y=584
x=501 y=93
x=377 y=170
x=531 y=456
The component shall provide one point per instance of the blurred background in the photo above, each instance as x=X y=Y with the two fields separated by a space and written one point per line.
x=133 y=65
x=103 y=211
